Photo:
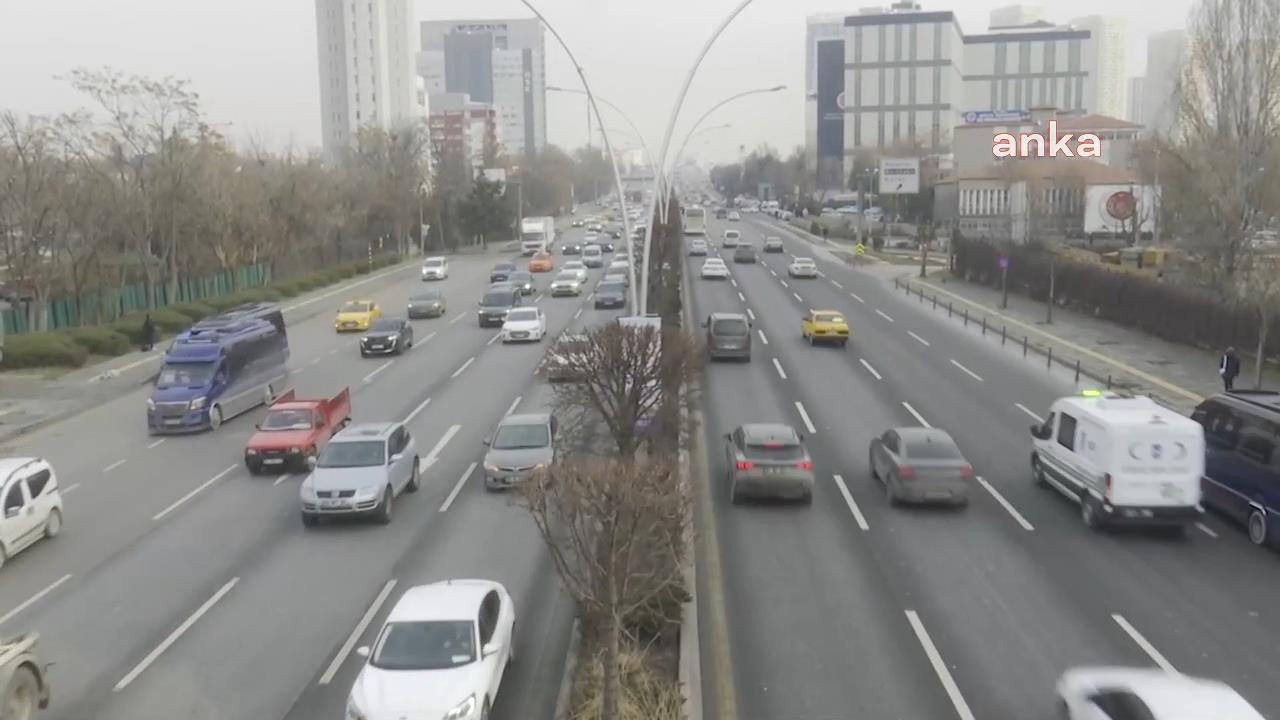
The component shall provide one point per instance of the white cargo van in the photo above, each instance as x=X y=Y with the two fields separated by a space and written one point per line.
x=1126 y=460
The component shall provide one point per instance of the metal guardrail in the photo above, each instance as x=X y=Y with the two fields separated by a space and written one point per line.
x=1112 y=380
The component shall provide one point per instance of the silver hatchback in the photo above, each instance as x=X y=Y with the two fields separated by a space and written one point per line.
x=921 y=465
x=768 y=460
x=360 y=472
x=520 y=445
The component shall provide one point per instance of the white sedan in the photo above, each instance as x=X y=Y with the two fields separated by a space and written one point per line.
x=1101 y=693
x=442 y=653
x=803 y=268
x=31 y=502
x=734 y=216
x=577 y=267
x=524 y=325
x=714 y=268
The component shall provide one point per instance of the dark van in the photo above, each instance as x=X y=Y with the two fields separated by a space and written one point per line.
x=728 y=336
x=1241 y=465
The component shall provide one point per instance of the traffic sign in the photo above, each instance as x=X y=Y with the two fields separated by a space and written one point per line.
x=859 y=249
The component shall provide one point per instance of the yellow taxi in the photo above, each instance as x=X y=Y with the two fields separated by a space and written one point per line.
x=356 y=315
x=825 y=326
x=541 y=262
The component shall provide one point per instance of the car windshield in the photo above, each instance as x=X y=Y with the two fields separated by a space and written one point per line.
x=935 y=449
x=504 y=267
x=521 y=437
x=434 y=262
x=370 y=453
x=427 y=296
x=496 y=299
x=195 y=374
x=425 y=645
x=610 y=288
x=575 y=265
x=567 y=277
x=828 y=318
x=732 y=234
x=385 y=325
x=521 y=277
x=286 y=420
x=522 y=315
x=803 y=261
x=774 y=451
x=731 y=326
x=355 y=307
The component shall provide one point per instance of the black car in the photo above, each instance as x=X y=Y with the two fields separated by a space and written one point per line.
x=721 y=213
x=501 y=272
x=523 y=280
x=426 y=304
x=571 y=249
x=744 y=254
x=496 y=303
x=606 y=246
x=387 y=336
x=773 y=245
x=611 y=295
x=615 y=234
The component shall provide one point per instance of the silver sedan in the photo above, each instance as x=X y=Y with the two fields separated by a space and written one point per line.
x=921 y=465
x=768 y=460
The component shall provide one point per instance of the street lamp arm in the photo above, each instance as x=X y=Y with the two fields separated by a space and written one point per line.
x=617 y=176
x=605 y=101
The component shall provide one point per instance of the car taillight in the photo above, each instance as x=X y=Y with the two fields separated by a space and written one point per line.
x=906 y=473
x=745 y=465
x=966 y=472
x=806 y=465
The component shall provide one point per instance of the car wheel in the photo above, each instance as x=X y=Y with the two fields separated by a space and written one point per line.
x=252 y=467
x=268 y=395
x=511 y=648
x=53 y=524
x=484 y=710
x=364 y=354
x=22 y=697
x=1257 y=527
x=1037 y=472
x=215 y=417
x=415 y=481
x=310 y=520
x=891 y=490
x=384 y=514
x=871 y=463
x=1089 y=513
x=735 y=498
x=807 y=498
x=811 y=340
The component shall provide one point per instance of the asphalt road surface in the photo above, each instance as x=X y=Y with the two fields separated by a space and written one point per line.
x=852 y=609
x=183 y=587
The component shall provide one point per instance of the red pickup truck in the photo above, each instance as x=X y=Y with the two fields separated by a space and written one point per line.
x=295 y=430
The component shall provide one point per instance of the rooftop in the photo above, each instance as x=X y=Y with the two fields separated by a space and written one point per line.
x=1090 y=172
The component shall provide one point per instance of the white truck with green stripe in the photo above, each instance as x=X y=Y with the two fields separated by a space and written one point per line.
x=1126 y=460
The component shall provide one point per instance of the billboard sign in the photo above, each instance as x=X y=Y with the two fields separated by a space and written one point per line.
x=1114 y=208
x=995 y=116
x=831 y=99
x=899 y=176
x=495 y=175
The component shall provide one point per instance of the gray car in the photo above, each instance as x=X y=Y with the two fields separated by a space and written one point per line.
x=360 y=472
x=520 y=445
x=918 y=464
x=427 y=304
x=728 y=336
x=768 y=460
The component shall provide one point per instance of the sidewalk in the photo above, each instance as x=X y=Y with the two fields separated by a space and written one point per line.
x=1110 y=354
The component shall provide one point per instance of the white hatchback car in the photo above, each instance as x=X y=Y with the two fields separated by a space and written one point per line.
x=442 y=653
x=714 y=268
x=526 y=324
x=31 y=503
x=435 y=268
x=1102 y=693
x=803 y=267
x=577 y=267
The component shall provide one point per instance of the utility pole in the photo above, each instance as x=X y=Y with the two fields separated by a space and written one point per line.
x=1053 y=263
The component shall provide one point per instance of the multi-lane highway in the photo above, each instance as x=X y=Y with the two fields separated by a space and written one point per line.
x=183 y=587
x=853 y=609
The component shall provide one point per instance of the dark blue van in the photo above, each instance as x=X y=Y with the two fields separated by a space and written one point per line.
x=1241 y=465
x=219 y=368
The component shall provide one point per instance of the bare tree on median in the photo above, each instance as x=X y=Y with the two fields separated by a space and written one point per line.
x=617 y=531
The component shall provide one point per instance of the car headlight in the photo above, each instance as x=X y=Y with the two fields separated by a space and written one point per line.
x=353 y=711
x=151 y=404
x=394 y=338
x=250 y=451
x=295 y=450
x=490 y=468
x=463 y=710
x=368 y=493
x=197 y=403
x=307 y=491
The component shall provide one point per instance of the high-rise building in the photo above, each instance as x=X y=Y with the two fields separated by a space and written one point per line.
x=366 y=68
x=1108 y=48
x=824 y=101
x=1166 y=53
x=498 y=62
x=1135 y=100
x=1017 y=16
x=461 y=128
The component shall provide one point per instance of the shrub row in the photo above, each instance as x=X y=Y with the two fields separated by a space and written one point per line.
x=73 y=347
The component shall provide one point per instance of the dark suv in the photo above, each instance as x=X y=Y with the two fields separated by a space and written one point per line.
x=1241 y=479
x=744 y=254
x=496 y=303
x=501 y=272
x=728 y=336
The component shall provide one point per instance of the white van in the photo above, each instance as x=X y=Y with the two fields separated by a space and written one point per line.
x=731 y=238
x=593 y=256
x=1126 y=460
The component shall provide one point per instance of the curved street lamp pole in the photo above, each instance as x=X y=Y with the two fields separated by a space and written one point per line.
x=666 y=145
x=617 y=176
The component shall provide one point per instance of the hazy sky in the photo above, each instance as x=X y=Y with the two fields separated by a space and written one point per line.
x=254 y=61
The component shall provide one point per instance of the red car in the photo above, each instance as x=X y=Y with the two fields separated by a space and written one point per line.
x=295 y=430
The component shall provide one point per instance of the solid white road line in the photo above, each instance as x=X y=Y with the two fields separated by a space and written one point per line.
x=797 y=297
x=919 y=418
x=457 y=318
x=837 y=284
x=742 y=297
x=1024 y=409
x=514 y=404
x=155 y=444
x=35 y=598
x=970 y=373
x=421 y=406
x=434 y=455
x=465 y=365
x=778 y=366
x=881 y=314
x=354 y=637
x=1142 y=642
x=1008 y=506
x=369 y=378
x=577 y=314
x=114 y=465
x=281 y=479
x=870 y=369
x=853 y=506
x=494 y=339
x=1206 y=530
x=160 y=515
x=763 y=339
x=919 y=339
x=808 y=424
x=855 y=297
x=751 y=315
x=939 y=667
x=173 y=636
x=458 y=488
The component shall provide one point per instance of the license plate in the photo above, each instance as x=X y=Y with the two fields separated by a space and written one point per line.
x=172 y=421
x=273 y=461
x=333 y=503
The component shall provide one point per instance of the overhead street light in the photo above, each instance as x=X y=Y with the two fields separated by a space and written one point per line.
x=617 y=176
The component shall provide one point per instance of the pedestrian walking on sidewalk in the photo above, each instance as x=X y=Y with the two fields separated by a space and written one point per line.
x=148 y=333
x=1229 y=368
